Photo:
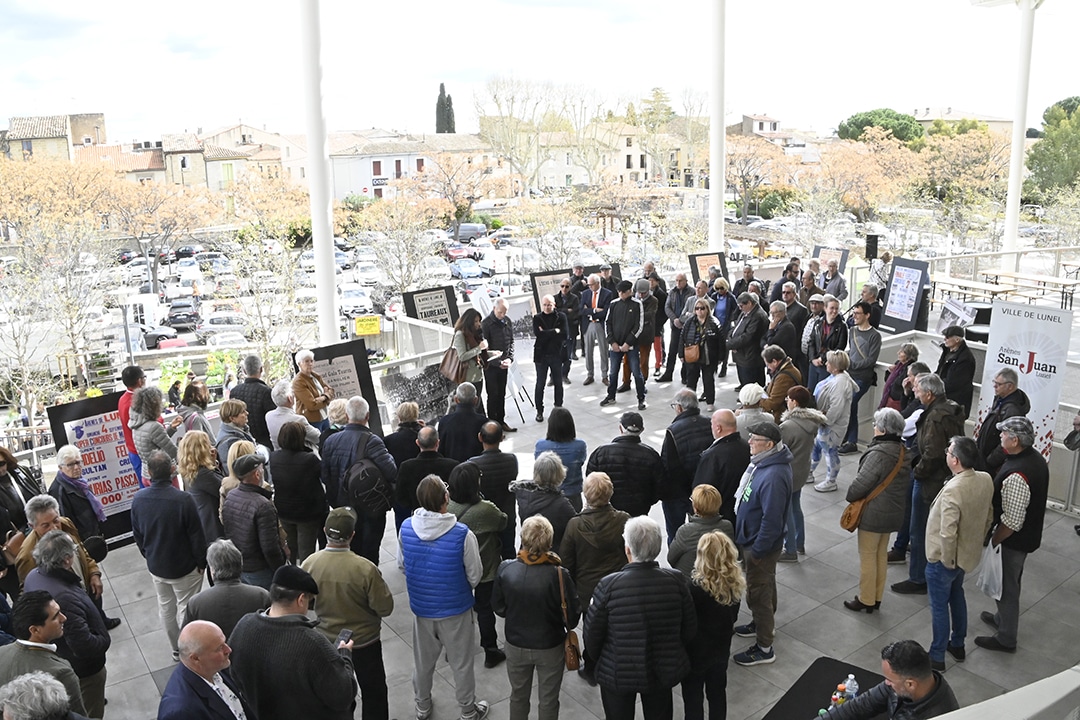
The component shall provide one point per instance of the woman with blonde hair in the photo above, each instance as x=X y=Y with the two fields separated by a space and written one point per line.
x=234 y=427
x=335 y=413
x=682 y=551
x=238 y=449
x=198 y=466
x=716 y=586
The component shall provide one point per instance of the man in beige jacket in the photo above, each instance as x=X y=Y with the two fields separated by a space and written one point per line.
x=958 y=522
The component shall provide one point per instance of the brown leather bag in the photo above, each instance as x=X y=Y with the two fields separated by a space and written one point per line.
x=571 y=646
x=692 y=353
x=853 y=512
x=451 y=366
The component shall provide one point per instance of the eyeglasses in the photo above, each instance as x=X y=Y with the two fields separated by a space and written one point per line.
x=564 y=286
x=77 y=463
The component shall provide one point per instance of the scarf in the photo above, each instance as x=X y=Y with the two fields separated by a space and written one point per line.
x=80 y=485
x=744 y=483
x=548 y=558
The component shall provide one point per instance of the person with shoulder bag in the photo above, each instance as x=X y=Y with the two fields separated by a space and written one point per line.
x=881 y=487
x=530 y=591
x=701 y=350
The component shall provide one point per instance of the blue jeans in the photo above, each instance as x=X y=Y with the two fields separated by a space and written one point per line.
x=832 y=459
x=919 y=513
x=853 y=422
x=817 y=374
x=259 y=578
x=946 y=590
x=615 y=358
x=795 y=533
x=675 y=512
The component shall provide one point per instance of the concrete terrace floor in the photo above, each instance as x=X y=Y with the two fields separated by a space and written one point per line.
x=811 y=621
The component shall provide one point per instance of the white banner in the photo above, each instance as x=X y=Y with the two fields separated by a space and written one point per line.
x=106 y=467
x=1033 y=341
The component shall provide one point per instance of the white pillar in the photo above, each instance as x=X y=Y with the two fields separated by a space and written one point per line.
x=318 y=173
x=1016 y=161
x=717 y=149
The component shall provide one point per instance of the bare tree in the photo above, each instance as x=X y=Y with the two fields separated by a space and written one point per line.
x=401 y=251
x=752 y=163
x=511 y=112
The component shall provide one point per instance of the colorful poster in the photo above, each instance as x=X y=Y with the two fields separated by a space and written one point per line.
x=1033 y=341
x=93 y=426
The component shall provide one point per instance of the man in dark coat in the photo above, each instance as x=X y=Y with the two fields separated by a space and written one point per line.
x=339 y=454
x=169 y=534
x=781 y=330
x=745 y=340
x=633 y=657
x=256 y=395
x=1020 y=491
x=624 y=325
x=500 y=336
x=201 y=687
x=459 y=429
x=635 y=469
x=673 y=308
x=1009 y=401
x=568 y=303
x=429 y=462
x=956 y=368
x=498 y=469
x=688 y=435
x=723 y=463
x=229 y=599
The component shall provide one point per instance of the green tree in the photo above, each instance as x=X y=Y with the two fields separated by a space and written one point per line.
x=444 y=112
x=1054 y=161
x=904 y=127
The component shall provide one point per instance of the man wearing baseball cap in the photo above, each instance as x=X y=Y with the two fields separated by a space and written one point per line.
x=1020 y=490
x=284 y=666
x=251 y=522
x=761 y=506
x=353 y=596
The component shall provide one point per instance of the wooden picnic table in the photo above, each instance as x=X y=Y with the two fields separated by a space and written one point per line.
x=1042 y=284
x=969 y=288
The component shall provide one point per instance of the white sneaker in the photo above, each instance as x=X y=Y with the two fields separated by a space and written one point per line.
x=826 y=486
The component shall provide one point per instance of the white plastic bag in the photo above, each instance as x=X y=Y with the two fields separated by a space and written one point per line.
x=989 y=579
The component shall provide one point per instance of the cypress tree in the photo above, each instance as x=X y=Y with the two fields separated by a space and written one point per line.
x=450 y=126
x=440 y=111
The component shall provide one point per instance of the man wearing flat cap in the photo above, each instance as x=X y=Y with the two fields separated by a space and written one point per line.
x=761 y=506
x=353 y=597
x=284 y=666
x=956 y=367
x=251 y=522
x=1020 y=490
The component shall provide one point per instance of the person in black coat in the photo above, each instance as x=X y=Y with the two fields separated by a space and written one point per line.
x=781 y=330
x=745 y=340
x=498 y=469
x=550 y=328
x=568 y=302
x=723 y=463
x=429 y=461
x=459 y=428
x=956 y=368
x=632 y=657
x=76 y=501
x=635 y=469
x=299 y=495
x=542 y=495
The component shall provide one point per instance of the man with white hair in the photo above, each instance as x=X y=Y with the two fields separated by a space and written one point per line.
x=745 y=340
x=500 y=336
x=833 y=282
x=340 y=451
x=459 y=429
x=283 y=413
x=633 y=658
x=594 y=305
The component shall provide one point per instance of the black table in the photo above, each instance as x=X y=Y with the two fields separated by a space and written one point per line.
x=813 y=689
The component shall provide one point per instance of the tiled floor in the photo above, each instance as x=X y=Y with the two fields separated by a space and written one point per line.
x=811 y=620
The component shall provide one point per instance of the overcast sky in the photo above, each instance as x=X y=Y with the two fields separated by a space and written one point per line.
x=167 y=66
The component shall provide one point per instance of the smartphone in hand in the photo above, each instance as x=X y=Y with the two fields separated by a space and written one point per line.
x=343 y=637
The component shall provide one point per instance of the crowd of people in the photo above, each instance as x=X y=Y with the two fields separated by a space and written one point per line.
x=263 y=540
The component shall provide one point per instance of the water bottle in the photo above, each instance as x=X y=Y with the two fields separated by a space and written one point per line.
x=852 y=687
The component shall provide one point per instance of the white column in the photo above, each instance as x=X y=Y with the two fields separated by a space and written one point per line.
x=318 y=173
x=717 y=149
x=1016 y=162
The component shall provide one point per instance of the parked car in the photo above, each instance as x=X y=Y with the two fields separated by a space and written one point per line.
x=219 y=323
x=466 y=268
x=468 y=231
x=189 y=251
x=183 y=314
x=365 y=253
x=433 y=269
x=226 y=339
x=367 y=273
x=264 y=282
x=456 y=251
x=153 y=336
x=342 y=260
x=228 y=286
x=511 y=284
x=127 y=255
x=355 y=300
x=172 y=343
x=207 y=259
